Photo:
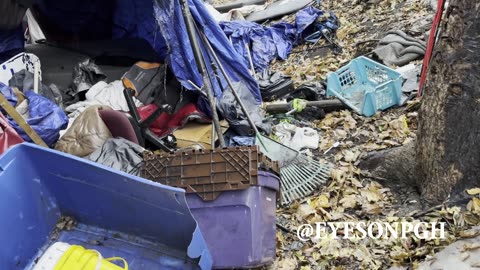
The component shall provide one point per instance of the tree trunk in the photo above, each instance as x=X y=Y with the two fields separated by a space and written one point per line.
x=448 y=144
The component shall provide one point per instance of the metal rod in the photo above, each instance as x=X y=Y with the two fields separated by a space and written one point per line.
x=230 y=84
x=197 y=53
x=251 y=61
x=36 y=77
x=323 y=104
x=258 y=136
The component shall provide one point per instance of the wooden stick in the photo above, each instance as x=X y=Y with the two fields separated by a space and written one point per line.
x=20 y=121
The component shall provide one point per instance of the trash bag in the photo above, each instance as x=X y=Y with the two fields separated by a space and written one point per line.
x=23 y=80
x=119 y=154
x=85 y=75
x=312 y=91
x=274 y=85
x=46 y=118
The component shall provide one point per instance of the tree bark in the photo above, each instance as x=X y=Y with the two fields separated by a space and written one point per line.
x=448 y=144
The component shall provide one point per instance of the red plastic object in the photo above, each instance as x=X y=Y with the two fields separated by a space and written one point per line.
x=168 y=123
x=8 y=135
x=431 y=45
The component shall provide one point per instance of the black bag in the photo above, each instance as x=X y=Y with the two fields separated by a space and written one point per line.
x=274 y=85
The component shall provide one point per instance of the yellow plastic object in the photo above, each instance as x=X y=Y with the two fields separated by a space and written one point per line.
x=79 y=258
x=299 y=104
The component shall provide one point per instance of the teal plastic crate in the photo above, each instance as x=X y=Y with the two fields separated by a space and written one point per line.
x=366 y=86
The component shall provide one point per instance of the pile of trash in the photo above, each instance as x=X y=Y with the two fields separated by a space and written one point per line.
x=288 y=95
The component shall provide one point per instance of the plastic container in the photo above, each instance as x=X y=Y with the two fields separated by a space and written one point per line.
x=239 y=226
x=366 y=86
x=208 y=173
x=146 y=223
x=62 y=256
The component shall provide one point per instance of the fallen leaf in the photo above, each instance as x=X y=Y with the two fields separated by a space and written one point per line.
x=322 y=201
x=470 y=233
x=464 y=256
x=473 y=191
x=349 y=156
x=472 y=246
x=372 y=209
x=474 y=206
x=349 y=201
x=371 y=195
x=305 y=210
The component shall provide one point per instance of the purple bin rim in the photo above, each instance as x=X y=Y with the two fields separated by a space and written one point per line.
x=268 y=180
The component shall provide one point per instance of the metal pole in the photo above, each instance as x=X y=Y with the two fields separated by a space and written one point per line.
x=197 y=53
x=230 y=84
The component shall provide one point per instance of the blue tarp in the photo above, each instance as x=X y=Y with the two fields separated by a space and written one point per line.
x=46 y=118
x=168 y=14
x=276 y=41
x=161 y=23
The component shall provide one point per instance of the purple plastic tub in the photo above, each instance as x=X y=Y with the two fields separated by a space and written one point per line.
x=239 y=226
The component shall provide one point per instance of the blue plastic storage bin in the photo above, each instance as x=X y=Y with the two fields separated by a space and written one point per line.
x=239 y=226
x=366 y=86
x=146 y=223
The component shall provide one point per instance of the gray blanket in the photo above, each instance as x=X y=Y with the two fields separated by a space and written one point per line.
x=399 y=49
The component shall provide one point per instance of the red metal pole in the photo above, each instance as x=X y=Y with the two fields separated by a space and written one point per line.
x=430 y=45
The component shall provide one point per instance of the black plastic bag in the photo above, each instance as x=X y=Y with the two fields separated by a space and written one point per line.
x=274 y=85
x=312 y=91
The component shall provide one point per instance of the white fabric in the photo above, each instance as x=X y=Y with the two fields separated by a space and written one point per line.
x=34 y=29
x=295 y=137
x=234 y=14
x=102 y=94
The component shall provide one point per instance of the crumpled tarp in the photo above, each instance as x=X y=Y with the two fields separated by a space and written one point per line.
x=276 y=41
x=46 y=118
x=119 y=154
x=181 y=57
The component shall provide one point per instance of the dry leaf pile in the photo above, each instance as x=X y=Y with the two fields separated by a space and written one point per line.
x=362 y=24
x=351 y=198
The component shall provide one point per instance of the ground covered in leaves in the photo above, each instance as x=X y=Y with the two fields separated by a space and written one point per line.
x=362 y=24
x=351 y=195
x=346 y=138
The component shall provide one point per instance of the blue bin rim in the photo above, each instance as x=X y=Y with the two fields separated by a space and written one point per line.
x=137 y=178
